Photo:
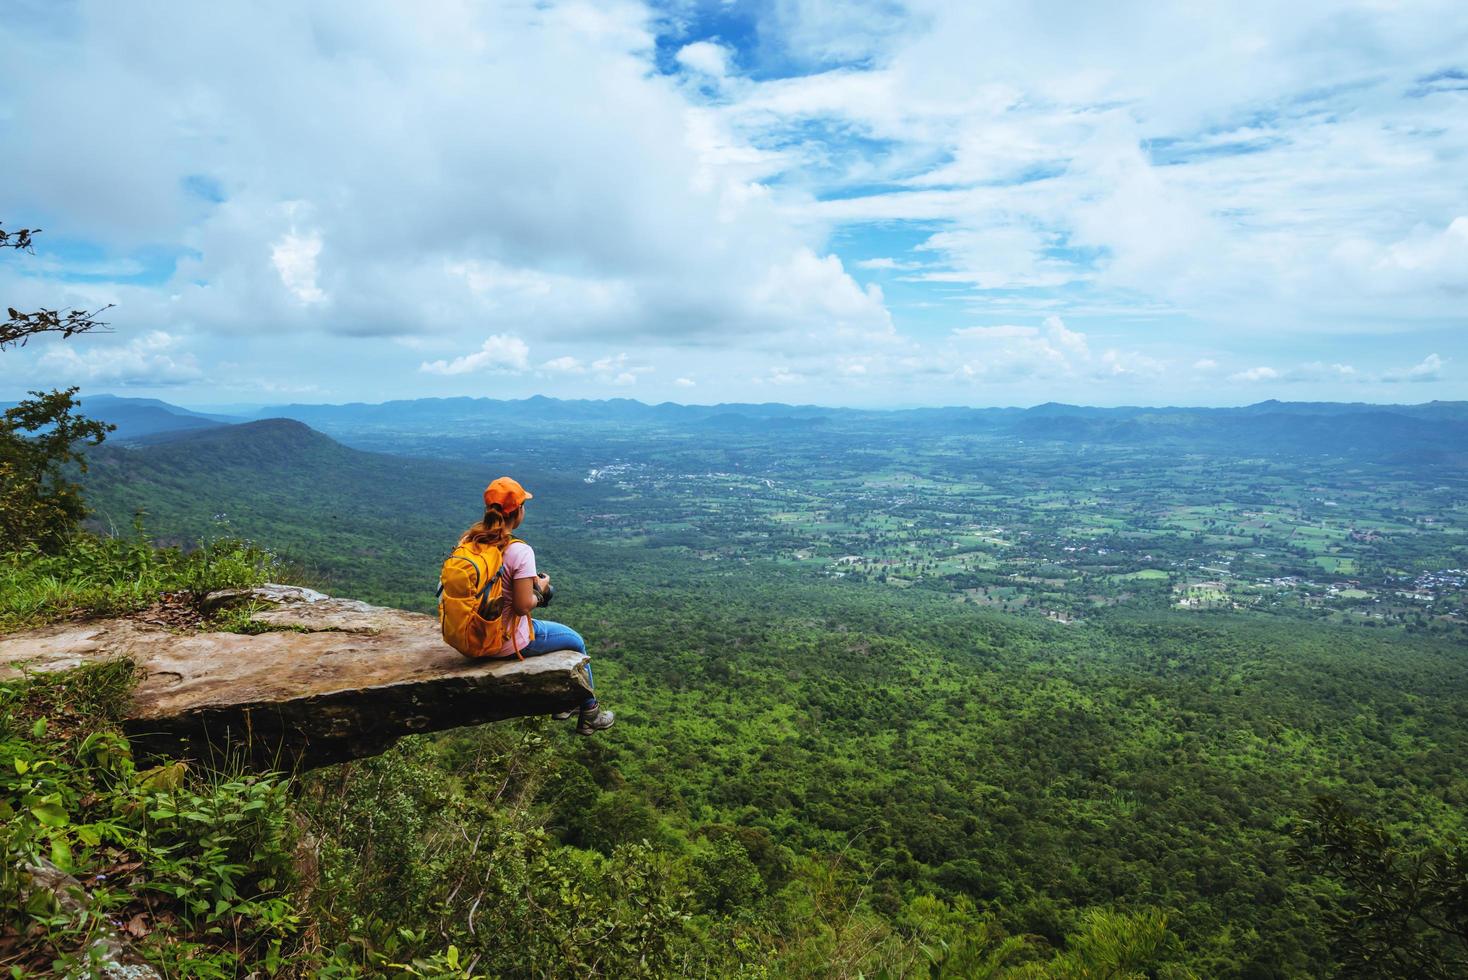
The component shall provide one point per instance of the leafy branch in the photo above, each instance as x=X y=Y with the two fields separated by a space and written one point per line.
x=22 y=326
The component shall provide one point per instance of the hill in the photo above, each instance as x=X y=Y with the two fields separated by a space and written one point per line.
x=139 y=418
x=335 y=510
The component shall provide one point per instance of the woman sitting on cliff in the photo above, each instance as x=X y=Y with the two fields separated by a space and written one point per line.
x=504 y=510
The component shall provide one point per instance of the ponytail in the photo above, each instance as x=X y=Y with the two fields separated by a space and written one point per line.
x=494 y=529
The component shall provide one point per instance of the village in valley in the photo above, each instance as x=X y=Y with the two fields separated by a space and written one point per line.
x=1007 y=526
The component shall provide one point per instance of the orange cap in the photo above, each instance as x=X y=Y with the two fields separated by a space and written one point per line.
x=507 y=493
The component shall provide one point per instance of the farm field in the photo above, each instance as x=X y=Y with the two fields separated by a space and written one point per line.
x=1049 y=528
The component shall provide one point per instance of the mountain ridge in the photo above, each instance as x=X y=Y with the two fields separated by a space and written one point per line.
x=1437 y=432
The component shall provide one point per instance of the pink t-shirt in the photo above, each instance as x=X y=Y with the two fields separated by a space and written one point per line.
x=519 y=563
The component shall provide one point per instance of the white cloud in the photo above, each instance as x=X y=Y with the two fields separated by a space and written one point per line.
x=294 y=257
x=618 y=370
x=427 y=172
x=1430 y=368
x=886 y=263
x=1115 y=364
x=816 y=293
x=1072 y=342
x=685 y=382
x=1052 y=350
x=996 y=255
x=1166 y=157
x=442 y=173
x=1319 y=370
x=499 y=353
x=1424 y=259
x=564 y=365
x=705 y=57
x=155 y=359
x=781 y=376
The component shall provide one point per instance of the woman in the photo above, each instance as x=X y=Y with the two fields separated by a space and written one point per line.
x=504 y=510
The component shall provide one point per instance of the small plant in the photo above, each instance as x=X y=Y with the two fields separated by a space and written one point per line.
x=239 y=618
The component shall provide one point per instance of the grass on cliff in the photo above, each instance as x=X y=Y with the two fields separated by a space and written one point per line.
x=100 y=576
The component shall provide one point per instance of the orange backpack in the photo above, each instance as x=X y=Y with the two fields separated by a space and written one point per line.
x=474 y=608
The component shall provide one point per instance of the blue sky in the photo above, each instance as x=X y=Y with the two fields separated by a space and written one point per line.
x=862 y=203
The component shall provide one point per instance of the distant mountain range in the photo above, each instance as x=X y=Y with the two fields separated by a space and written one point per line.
x=1434 y=432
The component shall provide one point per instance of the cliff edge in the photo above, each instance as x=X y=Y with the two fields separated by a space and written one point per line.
x=325 y=680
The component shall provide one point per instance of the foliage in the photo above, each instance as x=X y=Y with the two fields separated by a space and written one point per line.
x=21 y=326
x=837 y=777
x=39 y=506
x=195 y=867
x=420 y=853
x=108 y=576
x=39 y=437
x=1404 y=910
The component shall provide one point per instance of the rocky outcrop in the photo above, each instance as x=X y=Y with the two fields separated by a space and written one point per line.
x=328 y=680
x=107 y=952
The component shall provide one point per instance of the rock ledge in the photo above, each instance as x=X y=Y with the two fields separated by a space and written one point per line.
x=336 y=679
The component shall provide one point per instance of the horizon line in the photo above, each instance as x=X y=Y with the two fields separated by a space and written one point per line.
x=262 y=406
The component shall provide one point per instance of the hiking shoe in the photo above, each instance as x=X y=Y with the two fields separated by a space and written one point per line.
x=563 y=715
x=595 y=720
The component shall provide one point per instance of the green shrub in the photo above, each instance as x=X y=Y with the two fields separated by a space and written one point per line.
x=197 y=867
x=95 y=575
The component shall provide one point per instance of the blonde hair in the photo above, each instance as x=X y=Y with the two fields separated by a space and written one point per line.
x=494 y=529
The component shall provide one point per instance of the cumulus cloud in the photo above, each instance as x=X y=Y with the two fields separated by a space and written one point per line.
x=1430 y=368
x=499 y=353
x=564 y=365
x=1426 y=258
x=294 y=257
x=1051 y=350
x=609 y=182
x=1072 y=342
x=1115 y=363
x=816 y=293
x=1192 y=160
x=430 y=171
x=157 y=358
x=705 y=57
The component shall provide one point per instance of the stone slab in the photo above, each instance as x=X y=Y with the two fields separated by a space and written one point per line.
x=337 y=679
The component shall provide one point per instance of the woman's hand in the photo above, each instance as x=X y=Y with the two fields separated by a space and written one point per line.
x=542 y=582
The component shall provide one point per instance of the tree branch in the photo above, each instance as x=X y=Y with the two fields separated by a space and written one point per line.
x=21 y=327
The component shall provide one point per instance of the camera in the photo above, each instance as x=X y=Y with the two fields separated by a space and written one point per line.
x=544 y=596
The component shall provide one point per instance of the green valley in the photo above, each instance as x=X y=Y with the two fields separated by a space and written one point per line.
x=856 y=677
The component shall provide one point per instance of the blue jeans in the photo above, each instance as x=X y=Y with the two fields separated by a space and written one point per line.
x=550 y=637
